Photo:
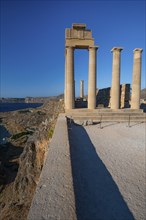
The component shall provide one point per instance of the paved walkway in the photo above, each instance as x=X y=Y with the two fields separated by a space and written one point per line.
x=108 y=167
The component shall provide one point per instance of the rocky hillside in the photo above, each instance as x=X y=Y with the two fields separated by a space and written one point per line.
x=22 y=157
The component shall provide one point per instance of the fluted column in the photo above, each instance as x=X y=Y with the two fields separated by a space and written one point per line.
x=92 y=78
x=81 y=88
x=70 y=99
x=136 y=81
x=115 y=88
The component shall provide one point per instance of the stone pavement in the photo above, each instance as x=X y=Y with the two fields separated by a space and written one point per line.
x=92 y=173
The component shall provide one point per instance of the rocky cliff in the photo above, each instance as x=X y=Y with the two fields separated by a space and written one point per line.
x=22 y=157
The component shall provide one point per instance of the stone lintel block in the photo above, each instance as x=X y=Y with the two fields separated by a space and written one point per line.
x=79 y=26
x=94 y=47
x=80 y=44
x=116 y=49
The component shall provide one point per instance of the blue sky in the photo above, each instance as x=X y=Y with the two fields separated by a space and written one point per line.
x=33 y=43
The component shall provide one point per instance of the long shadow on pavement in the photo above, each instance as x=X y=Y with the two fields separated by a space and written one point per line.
x=97 y=196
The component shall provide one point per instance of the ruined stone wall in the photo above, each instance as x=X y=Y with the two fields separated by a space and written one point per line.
x=103 y=96
x=125 y=95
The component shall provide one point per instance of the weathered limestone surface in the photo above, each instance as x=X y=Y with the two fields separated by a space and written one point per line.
x=70 y=78
x=115 y=90
x=92 y=78
x=136 y=81
x=65 y=80
x=79 y=37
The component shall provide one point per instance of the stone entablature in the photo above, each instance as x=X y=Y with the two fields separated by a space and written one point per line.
x=78 y=33
x=79 y=37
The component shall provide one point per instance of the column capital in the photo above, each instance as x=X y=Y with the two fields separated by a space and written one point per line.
x=138 y=50
x=93 y=47
x=117 y=49
x=71 y=47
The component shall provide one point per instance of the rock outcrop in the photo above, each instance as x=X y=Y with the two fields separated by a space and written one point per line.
x=22 y=157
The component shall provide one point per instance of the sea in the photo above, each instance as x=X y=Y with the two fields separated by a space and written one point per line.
x=7 y=107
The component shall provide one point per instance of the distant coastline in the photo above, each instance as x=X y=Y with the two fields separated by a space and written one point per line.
x=13 y=106
x=25 y=100
x=12 y=100
x=31 y=99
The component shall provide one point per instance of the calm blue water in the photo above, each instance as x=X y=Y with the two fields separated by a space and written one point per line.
x=4 y=134
x=6 y=107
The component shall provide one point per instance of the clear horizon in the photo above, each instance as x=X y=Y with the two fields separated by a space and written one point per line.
x=33 y=43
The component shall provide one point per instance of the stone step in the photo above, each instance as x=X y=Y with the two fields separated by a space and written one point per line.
x=86 y=114
x=106 y=110
x=134 y=118
x=108 y=117
x=78 y=120
x=106 y=114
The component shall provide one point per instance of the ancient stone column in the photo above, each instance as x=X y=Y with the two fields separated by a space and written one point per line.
x=92 y=78
x=81 y=88
x=136 y=81
x=65 y=81
x=115 y=88
x=74 y=89
x=70 y=99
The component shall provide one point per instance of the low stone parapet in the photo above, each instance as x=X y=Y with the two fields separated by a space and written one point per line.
x=54 y=197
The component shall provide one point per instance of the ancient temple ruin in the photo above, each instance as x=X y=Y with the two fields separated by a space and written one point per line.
x=78 y=37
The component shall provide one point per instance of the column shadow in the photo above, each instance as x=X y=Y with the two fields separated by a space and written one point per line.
x=138 y=123
x=109 y=124
x=97 y=196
